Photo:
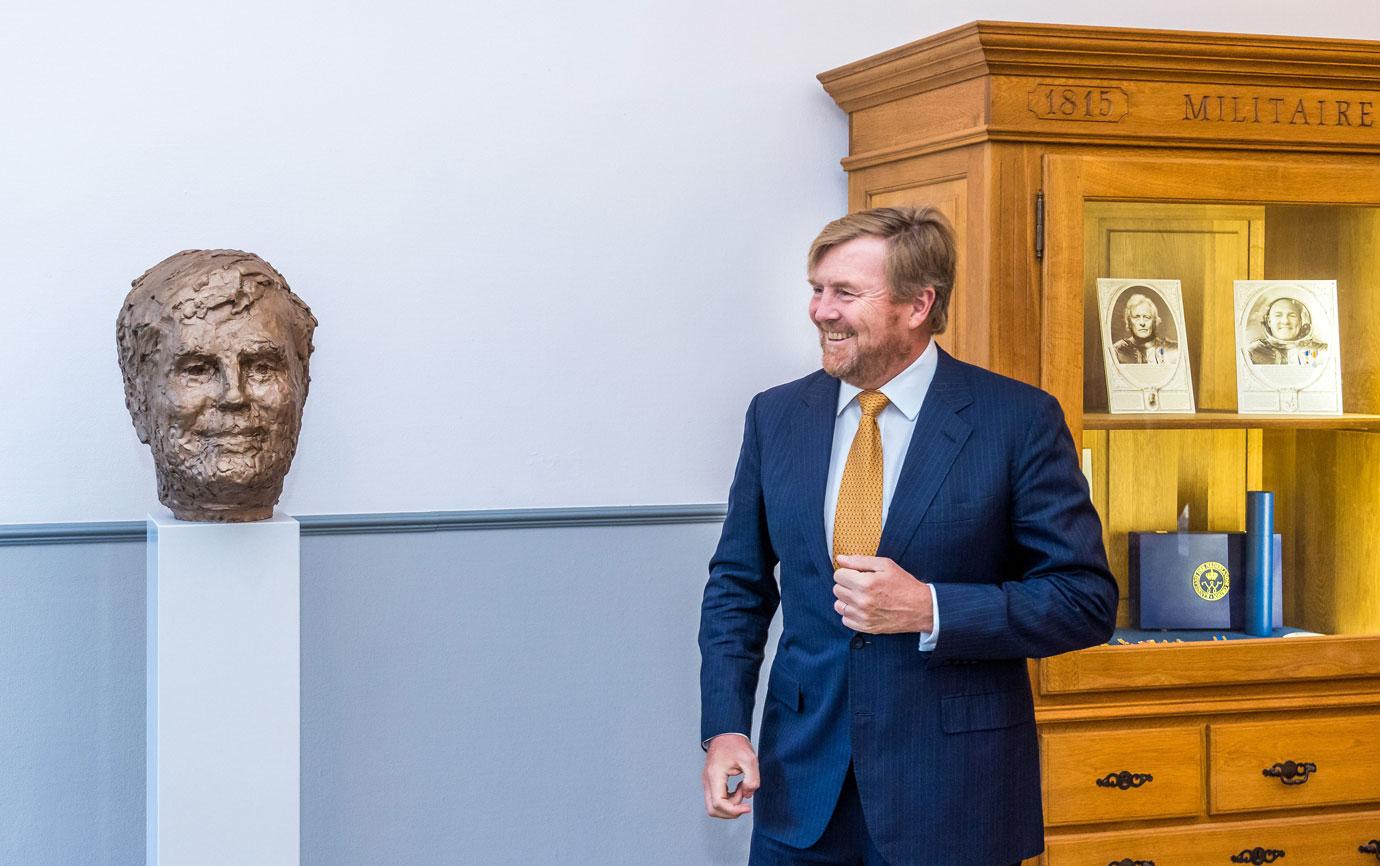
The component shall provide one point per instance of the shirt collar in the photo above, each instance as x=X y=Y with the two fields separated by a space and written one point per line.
x=906 y=390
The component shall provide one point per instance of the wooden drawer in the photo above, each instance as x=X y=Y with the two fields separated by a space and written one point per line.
x=1078 y=766
x=1332 y=840
x=1345 y=750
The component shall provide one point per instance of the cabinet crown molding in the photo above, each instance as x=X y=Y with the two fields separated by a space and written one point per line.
x=1000 y=48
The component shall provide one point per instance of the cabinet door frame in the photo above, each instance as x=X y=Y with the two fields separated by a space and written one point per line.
x=1230 y=670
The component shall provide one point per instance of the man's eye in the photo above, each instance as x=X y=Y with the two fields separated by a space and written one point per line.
x=262 y=368
x=197 y=368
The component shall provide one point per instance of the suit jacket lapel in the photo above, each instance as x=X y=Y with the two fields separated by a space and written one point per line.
x=813 y=442
x=939 y=436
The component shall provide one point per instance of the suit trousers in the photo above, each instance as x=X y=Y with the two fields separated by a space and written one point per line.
x=845 y=842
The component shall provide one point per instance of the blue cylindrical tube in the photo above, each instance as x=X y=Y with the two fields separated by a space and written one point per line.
x=1260 y=565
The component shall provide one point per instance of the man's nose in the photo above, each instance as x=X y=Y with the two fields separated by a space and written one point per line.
x=232 y=389
x=823 y=309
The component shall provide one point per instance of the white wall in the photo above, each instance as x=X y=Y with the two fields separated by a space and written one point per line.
x=554 y=247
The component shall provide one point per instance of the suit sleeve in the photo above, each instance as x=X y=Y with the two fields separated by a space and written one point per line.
x=1063 y=596
x=740 y=599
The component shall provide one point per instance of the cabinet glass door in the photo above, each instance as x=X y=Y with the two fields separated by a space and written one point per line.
x=1245 y=286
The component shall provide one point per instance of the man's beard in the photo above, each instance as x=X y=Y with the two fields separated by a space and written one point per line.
x=861 y=365
x=224 y=469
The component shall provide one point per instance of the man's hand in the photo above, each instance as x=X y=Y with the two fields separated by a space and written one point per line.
x=729 y=755
x=876 y=596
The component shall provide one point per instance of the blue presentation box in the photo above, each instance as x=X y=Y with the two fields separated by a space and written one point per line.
x=1193 y=580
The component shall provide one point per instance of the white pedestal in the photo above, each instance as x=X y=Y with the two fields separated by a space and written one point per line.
x=223 y=693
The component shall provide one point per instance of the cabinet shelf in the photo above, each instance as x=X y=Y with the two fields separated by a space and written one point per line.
x=1218 y=420
x=1328 y=658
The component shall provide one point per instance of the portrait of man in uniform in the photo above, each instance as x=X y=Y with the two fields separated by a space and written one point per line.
x=1146 y=359
x=1288 y=347
x=1288 y=337
x=1144 y=342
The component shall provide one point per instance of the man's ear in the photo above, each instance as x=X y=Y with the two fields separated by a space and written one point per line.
x=922 y=306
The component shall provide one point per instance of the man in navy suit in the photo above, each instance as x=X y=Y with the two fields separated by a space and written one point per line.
x=898 y=728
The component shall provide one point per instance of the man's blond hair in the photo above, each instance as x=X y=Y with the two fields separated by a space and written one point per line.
x=921 y=251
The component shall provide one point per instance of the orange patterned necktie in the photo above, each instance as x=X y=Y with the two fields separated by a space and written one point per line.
x=858 y=517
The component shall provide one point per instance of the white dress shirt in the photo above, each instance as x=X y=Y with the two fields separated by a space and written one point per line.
x=906 y=394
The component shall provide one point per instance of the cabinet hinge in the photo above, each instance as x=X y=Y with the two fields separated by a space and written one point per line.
x=1040 y=224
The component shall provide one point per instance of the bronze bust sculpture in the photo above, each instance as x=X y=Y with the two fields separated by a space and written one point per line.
x=214 y=348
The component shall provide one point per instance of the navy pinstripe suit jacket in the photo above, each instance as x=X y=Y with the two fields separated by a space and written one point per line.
x=992 y=508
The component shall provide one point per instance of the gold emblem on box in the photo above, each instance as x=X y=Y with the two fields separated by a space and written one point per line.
x=1211 y=580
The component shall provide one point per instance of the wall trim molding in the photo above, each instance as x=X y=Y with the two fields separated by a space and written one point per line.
x=17 y=534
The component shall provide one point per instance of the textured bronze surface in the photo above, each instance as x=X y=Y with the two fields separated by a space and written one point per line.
x=214 y=348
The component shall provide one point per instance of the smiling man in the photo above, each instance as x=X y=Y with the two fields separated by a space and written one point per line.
x=932 y=530
x=1288 y=336
x=214 y=349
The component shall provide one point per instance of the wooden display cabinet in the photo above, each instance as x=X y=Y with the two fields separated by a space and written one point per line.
x=1065 y=154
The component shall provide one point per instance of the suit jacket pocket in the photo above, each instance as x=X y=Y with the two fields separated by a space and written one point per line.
x=986 y=711
x=961 y=511
x=784 y=687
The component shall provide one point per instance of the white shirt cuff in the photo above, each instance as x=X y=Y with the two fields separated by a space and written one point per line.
x=930 y=639
x=705 y=744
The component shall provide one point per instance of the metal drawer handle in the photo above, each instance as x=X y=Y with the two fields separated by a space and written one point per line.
x=1371 y=847
x=1292 y=772
x=1125 y=780
x=1257 y=856
x=1127 y=861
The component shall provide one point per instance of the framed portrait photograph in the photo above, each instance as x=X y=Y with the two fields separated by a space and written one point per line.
x=1145 y=346
x=1288 y=351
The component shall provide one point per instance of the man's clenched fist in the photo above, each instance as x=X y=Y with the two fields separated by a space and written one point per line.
x=876 y=596
x=729 y=755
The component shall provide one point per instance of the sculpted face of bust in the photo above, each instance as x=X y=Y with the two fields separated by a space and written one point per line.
x=214 y=348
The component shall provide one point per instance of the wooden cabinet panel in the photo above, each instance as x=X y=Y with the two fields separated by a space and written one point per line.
x=1321 y=841
x=1163 y=767
x=948 y=113
x=1345 y=752
x=1350 y=602
x=1156 y=477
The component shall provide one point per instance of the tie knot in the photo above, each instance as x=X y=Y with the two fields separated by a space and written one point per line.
x=872 y=403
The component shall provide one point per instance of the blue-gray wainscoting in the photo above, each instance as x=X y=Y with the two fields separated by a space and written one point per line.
x=494 y=687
